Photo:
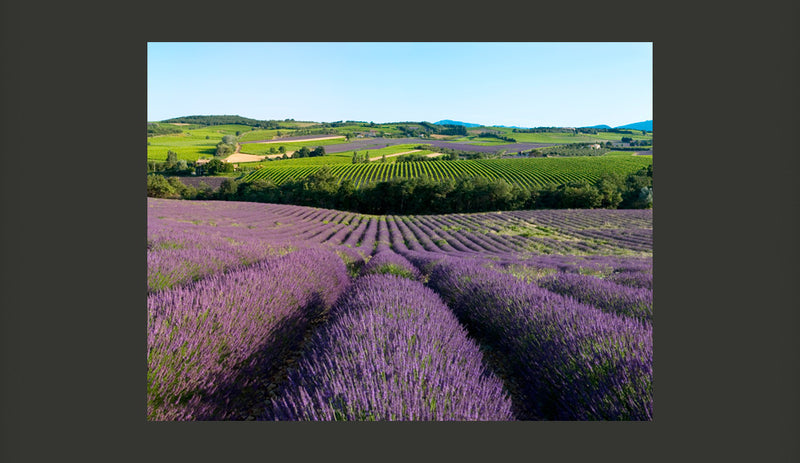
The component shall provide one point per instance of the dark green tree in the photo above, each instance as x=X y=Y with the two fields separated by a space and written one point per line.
x=610 y=186
x=228 y=189
x=172 y=158
x=159 y=187
x=215 y=166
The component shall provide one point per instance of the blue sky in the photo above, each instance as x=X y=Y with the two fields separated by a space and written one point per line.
x=492 y=83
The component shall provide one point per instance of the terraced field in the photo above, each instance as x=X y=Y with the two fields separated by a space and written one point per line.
x=529 y=172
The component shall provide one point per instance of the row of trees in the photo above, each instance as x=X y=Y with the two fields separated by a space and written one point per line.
x=172 y=166
x=304 y=152
x=453 y=130
x=454 y=154
x=154 y=128
x=422 y=195
x=360 y=158
x=416 y=129
x=225 y=120
x=633 y=142
x=181 y=167
x=572 y=149
x=551 y=130
x=626 y=131
x=496 y=135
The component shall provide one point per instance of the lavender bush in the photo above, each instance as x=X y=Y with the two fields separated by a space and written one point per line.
x=605 y=295
x=393 y=351
x=206 y=340
x=178 y=257
x=571 y=361
x=633 y=279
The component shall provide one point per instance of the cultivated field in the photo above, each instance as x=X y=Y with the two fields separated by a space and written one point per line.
x=281 y=312
x=523 y=171
x=199 y=141
x=194 y=143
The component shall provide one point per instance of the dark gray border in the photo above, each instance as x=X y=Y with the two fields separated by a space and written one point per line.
x=73 y=232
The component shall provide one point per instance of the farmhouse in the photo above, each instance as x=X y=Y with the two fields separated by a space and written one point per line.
x=595 y=146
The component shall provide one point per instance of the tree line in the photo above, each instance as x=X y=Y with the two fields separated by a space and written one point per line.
x=496 y=135
x=224 y=120
x=423 y=195
x=154 y=128
x=572 y=149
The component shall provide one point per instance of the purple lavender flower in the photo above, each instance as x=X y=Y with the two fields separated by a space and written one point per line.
x=392 y=351
x=571 y=361
x=605 y=295
x=206 y=339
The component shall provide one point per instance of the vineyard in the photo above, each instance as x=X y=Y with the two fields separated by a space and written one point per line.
x=528 y=172
x=283 y=312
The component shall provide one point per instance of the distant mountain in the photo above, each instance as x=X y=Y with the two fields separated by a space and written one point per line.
x=511 y=126
x=449 y=122
x=601 y=126
x=645 y=125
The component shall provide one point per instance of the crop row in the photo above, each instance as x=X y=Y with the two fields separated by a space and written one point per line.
x=207 y=340
x=570 y=334
x=529 y=172
x=569 y=360
x=393 y=351
x=506 y=237
x=177 y=257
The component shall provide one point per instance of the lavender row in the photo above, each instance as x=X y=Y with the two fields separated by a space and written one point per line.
x=392 y=351
x=605 y=295
x=384 y=243
x=571 y=361
x=354 y=237
x=601 y=266
x=503 y=234
x=368 y=239
x=207 y=340
x=410 y=241
x=293 y=138
x=633 y=279
x=395 y=235
x=376 y=143
x=179 y=257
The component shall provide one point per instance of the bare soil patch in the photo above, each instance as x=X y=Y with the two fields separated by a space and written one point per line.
x=433 y=155
x=241 y=157
x=393 y=155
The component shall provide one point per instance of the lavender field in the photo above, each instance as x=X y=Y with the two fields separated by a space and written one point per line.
x=279 y=312
x=375 y=143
